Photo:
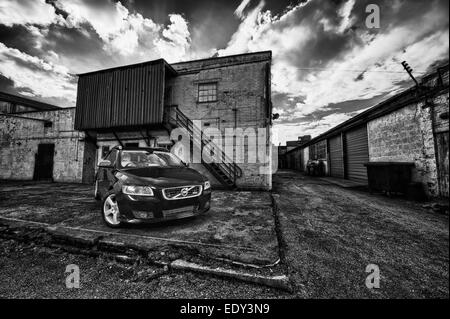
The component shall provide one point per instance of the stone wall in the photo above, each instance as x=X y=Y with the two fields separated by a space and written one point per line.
x=406 y=135
x=19 y=139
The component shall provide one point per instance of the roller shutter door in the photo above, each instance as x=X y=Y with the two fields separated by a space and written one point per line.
x=357 y=151
x=336 y=157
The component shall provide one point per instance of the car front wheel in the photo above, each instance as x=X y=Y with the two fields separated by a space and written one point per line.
x=111 y=212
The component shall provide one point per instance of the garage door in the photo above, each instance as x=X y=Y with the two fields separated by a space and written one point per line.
x=357 y=150
x=336 y=157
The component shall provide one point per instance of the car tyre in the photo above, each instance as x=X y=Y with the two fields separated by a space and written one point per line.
x=110 y=211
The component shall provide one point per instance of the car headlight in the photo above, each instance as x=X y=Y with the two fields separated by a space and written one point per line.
x=120 y=176
x=137 y=190
x=207 y=185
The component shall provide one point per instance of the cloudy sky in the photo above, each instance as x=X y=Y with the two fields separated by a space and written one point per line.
x=327 y=65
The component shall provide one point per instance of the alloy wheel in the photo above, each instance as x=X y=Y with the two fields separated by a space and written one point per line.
x=111 y=210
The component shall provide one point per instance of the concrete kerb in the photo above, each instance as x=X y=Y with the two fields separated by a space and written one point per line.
x=93 y=244
x=278 y=228
x=280 y=282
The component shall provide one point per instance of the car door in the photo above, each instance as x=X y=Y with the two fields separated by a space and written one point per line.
x=106 y=176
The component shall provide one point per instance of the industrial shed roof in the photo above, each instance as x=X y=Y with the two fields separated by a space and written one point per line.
x=39 y=106
x=128 y=66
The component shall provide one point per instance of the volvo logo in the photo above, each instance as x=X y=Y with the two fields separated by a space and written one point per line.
x=184 y=192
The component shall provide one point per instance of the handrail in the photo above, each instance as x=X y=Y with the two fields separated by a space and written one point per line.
x=228 y=167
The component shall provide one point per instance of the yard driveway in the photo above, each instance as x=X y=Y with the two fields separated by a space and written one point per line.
x=239 y=226
x=332 y=233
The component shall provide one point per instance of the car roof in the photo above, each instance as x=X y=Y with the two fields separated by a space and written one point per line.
x=137 y=148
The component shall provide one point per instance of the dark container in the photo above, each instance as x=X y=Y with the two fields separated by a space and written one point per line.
x=390 y=177
x=315 y=168
x=416 y=192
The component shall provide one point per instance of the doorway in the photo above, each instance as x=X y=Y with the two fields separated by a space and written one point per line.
x=43 y=168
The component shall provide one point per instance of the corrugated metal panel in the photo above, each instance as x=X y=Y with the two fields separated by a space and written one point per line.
x=357 y=151
x=336 y=157
x=121 y=97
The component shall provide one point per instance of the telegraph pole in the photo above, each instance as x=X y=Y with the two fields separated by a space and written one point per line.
x=409 y=70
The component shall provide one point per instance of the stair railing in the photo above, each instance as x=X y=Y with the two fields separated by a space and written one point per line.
x=226 y=165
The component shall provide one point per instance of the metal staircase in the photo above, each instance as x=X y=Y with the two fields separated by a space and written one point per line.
x=226 y=171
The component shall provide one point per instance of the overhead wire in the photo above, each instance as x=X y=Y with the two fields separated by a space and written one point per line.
x=353 y=70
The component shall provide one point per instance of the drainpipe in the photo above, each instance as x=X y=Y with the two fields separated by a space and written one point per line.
x=235 y=126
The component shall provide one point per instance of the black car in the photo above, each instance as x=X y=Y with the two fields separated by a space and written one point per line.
x=148 y=185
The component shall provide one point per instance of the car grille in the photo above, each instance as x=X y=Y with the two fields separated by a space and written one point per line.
x=182 y=192
x=180 y=212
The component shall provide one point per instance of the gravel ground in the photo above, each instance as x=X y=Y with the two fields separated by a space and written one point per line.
x=332 y=233
x=329 y=235
x=30 y=271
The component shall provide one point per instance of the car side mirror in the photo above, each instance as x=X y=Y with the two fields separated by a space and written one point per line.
x=105 y=164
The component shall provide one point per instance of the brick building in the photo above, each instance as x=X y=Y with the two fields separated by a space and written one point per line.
x=412 y=126
x=38 y=141
x=141 y=104
x=290 y=145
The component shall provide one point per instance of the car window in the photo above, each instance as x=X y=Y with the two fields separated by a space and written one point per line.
x=148 y=159
x=112 y=156
x=170 y=159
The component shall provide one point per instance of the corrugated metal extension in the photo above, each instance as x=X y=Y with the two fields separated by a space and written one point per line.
x=121 y=97
x=336 y=157
x=357 y=153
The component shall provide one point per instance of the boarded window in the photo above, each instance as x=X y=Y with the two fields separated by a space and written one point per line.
x=207 y=92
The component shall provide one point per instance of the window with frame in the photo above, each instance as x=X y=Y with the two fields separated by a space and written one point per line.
x=318 y=150
x=207 y=92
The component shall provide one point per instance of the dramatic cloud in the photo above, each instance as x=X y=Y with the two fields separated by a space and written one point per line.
x=324 y=53
x=327 y=65
x=26 y=12
x=239 y=12
x=35 y=77
x=175 y=43
x=113 y=23
x=129 y=34
x=314 y=127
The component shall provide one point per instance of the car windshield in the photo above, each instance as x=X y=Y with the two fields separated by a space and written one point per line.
x=149 y=159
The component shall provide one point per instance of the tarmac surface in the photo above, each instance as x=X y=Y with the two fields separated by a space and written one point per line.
x=324 y=237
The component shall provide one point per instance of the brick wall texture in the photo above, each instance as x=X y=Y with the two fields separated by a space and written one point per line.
x=20 y=137
x=406 y=135
x=241 y=103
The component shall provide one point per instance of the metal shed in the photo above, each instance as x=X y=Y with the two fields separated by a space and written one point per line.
x=120 y=97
